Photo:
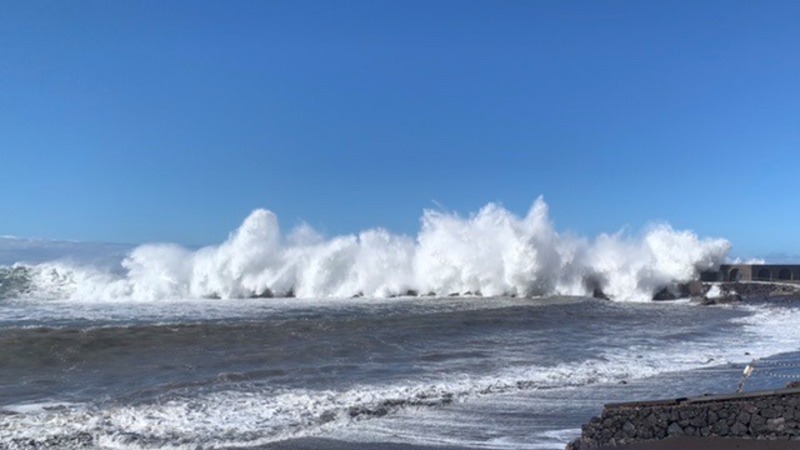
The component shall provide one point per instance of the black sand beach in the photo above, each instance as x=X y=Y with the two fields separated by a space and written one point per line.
x=666 y=444
x=331 y=444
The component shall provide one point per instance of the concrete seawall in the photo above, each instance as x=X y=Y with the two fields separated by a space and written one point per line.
x=756 y=415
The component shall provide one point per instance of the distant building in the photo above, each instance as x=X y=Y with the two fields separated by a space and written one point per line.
x=754 y=272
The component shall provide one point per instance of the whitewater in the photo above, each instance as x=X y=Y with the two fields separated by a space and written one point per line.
x=490 y=253
x=482 y=331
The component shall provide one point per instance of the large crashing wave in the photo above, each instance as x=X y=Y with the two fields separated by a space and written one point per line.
x=493 y=252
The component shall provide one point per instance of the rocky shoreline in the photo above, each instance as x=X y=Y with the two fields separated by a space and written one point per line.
x=768 y=415
x=713 y=293
x=689 y=423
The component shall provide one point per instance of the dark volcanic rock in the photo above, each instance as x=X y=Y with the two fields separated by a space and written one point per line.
x=695 y=289
x=769 y=415
x=266 y=293
x=664 y=294
x=721 y=300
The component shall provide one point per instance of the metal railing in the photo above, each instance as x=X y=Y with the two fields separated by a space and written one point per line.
x=772 y=369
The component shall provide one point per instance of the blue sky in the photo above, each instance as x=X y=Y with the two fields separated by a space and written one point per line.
x=135 y=121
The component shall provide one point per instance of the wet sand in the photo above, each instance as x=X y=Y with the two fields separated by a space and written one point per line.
x=332 y=444
x=665 y=444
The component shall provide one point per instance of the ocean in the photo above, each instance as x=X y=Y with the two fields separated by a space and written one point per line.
x=455 y=372
x=481 y=332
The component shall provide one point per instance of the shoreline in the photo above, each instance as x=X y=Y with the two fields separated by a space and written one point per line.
x=317 y=443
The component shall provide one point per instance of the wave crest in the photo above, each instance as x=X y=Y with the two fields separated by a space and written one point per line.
x=491 y=253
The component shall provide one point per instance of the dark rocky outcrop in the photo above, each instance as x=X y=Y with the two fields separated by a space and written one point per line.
x=664 y=294
x=71 y=441
x=721 y=300
x=694 y=289
x=728 y=292
x=766 y=415
x=764 y=290
x=266 y=293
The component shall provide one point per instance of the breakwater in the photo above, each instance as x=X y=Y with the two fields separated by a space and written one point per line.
x=755 y=415
x=711 y=293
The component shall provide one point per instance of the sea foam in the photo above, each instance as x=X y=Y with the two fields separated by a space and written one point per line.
x=492 y=252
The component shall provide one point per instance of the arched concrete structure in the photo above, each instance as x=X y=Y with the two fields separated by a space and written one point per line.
x=785 y=273
x=764 y=274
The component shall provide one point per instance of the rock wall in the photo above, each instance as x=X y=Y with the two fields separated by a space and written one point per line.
x=770 y=415
x=759 y=290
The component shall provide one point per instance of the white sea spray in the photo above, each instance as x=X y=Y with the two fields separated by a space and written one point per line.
x=492 y=252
